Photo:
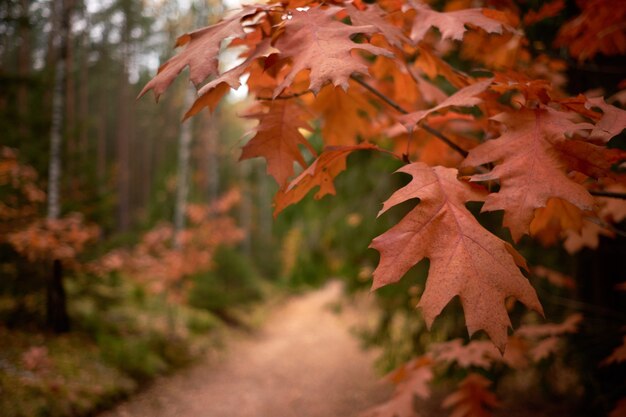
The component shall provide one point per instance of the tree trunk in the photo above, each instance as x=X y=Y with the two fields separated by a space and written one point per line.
x=56 y=301
x=182 y=186
x=122 y=142
x=56 y=305
x=23 y=69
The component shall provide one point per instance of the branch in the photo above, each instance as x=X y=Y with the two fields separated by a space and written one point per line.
x=402 y=110
x=609 y=194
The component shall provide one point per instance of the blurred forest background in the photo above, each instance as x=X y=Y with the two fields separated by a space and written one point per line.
x=129 y=241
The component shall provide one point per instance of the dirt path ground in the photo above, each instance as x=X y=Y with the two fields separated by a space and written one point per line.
x=302 y=363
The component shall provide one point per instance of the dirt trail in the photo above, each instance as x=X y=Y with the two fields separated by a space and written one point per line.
x=302 y=363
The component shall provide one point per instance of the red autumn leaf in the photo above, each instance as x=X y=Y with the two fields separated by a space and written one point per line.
x=450 y=24
x=201 y=53
x=321 y=173
x=277 y=138
x=529 y=168
x=212 y=92
x=315 y=41
x=466 y=260
x=373 y=15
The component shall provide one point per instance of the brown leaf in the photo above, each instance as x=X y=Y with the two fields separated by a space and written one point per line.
x=466 y=260
x=314 y=40
x=201 y=53
x=450 y=24
x=529 y=167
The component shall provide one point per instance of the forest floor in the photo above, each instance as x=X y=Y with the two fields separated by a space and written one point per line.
x=303 y=361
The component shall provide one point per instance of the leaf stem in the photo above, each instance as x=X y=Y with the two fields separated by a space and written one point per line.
x=439 y=135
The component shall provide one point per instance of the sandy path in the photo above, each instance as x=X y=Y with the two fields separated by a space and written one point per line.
x=302 y=363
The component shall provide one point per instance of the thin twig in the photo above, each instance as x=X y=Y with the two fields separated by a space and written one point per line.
x=287 y=97
x=400 y=109
x=609 y=194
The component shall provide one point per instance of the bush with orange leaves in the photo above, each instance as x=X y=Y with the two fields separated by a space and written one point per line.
x=163 y=258
x=31 y=236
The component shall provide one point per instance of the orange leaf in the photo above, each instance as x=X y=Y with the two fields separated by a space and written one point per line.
x=277 y=138
x=321 y=173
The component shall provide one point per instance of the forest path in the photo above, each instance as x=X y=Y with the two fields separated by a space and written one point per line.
x=303 y=362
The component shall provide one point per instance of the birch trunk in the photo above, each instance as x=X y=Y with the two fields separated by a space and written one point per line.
x=182 y=185
x=56 y=307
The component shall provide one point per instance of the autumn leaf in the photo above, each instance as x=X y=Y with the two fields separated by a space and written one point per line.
x=373 y=15
x=314 y=41
x=465 y=259
x=528 y=167
x=478 y=353
x=547 y=10
x=550 y=221
x=201 y=52
x=412 y=380
x=321 y=173
x=277 y=138
x=612 y=123
x=465 y=97
x=599 y=29
x=450 y=24
x=472 y=398
x=343 y=127
x=617 y=356
x=212 y=92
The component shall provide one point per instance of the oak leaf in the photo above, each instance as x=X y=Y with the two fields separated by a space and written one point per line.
x=472 y=398
x=465 y=97
x=315 y=41
x=201 y=52
x=375 y=16
x=211 y=93
x=277 y=138
x=465 y=259
x=342 y=127
x=450 y=24
x=321 y=173
x=528 y=167
x=412 y=380
x=612 y=123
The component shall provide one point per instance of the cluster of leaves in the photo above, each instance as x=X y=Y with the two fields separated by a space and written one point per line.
x=162 y=258
x=507 y=136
